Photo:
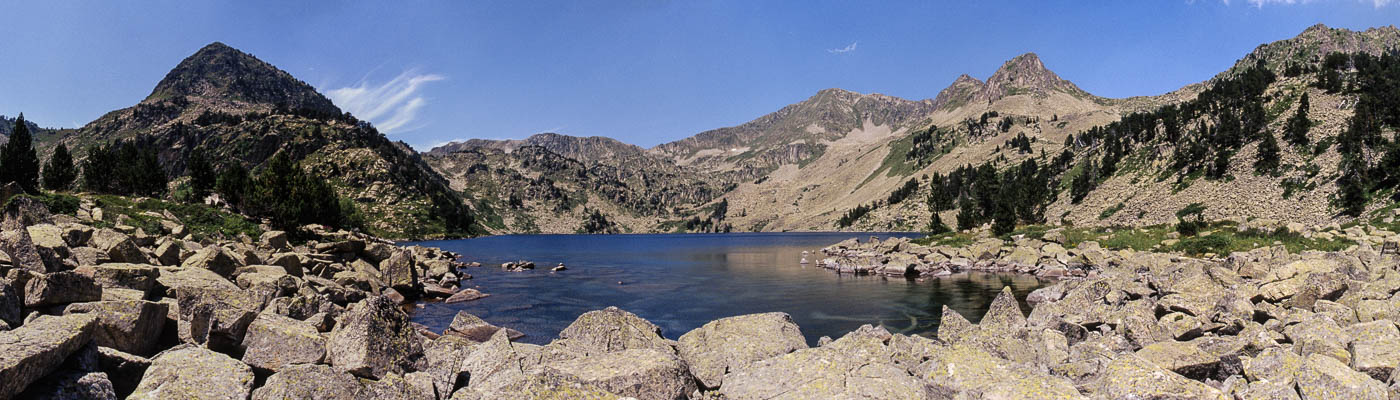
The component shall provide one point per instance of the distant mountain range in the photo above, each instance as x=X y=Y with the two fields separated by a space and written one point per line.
x=799 y=168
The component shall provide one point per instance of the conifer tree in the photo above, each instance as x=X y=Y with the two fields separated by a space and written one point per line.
x=1266 y=160
x=18 y=161
x=1296 y=131
x=60 y=172
x=936 y=226
x=202 y=176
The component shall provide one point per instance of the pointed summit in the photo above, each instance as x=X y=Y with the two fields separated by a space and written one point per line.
x=221 y=74
x=962 y=91
x=1026 y=74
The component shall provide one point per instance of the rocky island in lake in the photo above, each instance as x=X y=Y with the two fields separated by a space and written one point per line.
x=238 y=233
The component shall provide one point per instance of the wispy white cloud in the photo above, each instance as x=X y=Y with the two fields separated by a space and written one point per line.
x=392 y=106
x=847 y=49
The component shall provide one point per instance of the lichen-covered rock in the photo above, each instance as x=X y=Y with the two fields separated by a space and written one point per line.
x=374 y=338
x=394 y=386
x=118 y=246
x=23 y=253
x=400 y=270
x=60 y=288
x=215 y=317
x=964 y=371
x=274 y=342
x=639 y=373
x=172 y=280
x=498 y=363
x=129 y=326
x=83 y=385
x=168 y=253
x=1181 y=357
x=952 y=325
x=612 y=329
x=311 y=382
x=538 y=388
x=473 y=328
x=852 y=367
x=123 y=369
x=1133 y=377
x=38 y=348
x=190 y=372
x=276 y=240
x=730 y=344
x=121 y=275
x=446 y=357
x=214 y=259
x=1323 y=377
x=10 y=303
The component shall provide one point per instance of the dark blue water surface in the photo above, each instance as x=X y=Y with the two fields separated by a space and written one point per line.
x=681 y=281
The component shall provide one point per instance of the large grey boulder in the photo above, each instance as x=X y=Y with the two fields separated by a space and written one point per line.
x=274 y=342
x=118 y=246
x=85 y=385
x=400 y=270
x=214 y=317
x=730 y=344
x=965 y=371
x=129 y=326
x=538 y=388
x=498 y=363
x=1133 y=377
x=856 y=366
x=190 y=372
x=123 y=369
x=213 y=258
x=446 y=358
x=640 y=373
x=374 y=338
x=121 y=275
x=10 y=303
x=276 y=240
x=612 y=329
x=310 y=382
x=1323 y=377
x=475 y=329
x=22 y=252
x=38 y=348
x=60 y=288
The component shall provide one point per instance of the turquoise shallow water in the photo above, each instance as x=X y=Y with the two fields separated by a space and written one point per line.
x=682 y=281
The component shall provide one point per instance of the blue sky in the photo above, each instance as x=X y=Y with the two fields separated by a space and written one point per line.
x=645 y=72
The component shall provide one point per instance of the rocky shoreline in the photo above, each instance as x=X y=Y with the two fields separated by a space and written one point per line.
x=104 y=313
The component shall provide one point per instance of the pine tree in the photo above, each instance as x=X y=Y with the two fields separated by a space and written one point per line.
x=202 y=176
x=18 y=161
x=60 y=172
x=1296 y=130
x=967 y=215
x=233 y=184
x=1004 y=219
x=936 y=225
x=1266 y=160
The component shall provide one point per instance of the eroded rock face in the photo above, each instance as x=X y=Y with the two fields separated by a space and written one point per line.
x=190 y=372
x=965 y=370
x=639 y=373
x=129 y=326
x=312 y=382
x=374 y=338
x=274 y=342
x=730 y=344
x=1130 y=377
x=612 y=329
x=477 y=330
x=852 y=367
x=118 y=246
x=60 y=288
x=37 y=348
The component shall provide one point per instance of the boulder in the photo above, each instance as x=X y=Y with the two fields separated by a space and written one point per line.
x=374 y=338
x=964 y=371
x=274 y=342
x=477 y=330
x=1004 y=314
x=641 y=373
x=72 y=384
x=123 y=369
x=216 y=318
x=730 y=344
x=10 y=303
x=445 y=358
x=399 y=270
x=1376 y=357
x=23 y=211
x=394 y=386
x=118 y=246
x=60 y=288
x=465 y=295
x=190 y=372
x=128 y=326
x=311 y=382
x=76 y=235
x=212 y=258
x=1323 y=377
x=1181 y=357
x=856 y=366
x=498 y=363
x=612 y=329
x=168 y=253
x=538 y=388
x=1133 y=377
x=22 y=252
x=276 y=240
x=38 y=348
x=121 y=275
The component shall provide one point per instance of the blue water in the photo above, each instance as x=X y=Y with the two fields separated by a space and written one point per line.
x=681 y=281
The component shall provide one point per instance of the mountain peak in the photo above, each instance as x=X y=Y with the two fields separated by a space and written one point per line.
x=222 y=74
x=1314 y=43
x=1026 y=74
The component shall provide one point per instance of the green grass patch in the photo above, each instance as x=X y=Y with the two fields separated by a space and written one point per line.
x=202 y=221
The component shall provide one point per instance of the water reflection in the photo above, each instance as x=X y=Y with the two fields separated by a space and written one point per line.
x=680 y=282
